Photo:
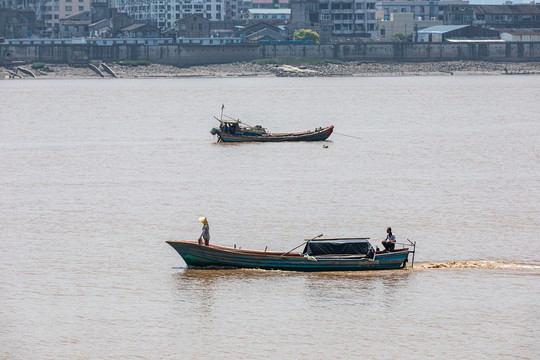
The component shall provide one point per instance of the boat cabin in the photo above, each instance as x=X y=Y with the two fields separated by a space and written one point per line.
x=355 y=247
x=237 y=127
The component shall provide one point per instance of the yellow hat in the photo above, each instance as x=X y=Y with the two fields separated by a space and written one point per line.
x=203 y=220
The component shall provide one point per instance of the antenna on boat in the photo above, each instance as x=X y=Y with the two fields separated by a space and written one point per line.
x=305 y=241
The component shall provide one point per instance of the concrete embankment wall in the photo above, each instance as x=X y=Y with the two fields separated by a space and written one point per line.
x=184 y=55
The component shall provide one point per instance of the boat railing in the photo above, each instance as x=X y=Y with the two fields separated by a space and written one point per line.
x=413 y=251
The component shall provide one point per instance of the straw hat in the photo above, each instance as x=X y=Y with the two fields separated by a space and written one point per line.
x=203 y=220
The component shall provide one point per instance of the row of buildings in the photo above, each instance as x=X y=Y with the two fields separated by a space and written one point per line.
x=334 y=20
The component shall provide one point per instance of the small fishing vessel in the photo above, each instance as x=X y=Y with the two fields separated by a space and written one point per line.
x=234 y=130
x=344 y=254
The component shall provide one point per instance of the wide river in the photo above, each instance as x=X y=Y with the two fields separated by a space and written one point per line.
x=97 y=174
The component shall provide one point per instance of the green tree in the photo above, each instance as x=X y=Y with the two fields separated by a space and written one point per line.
x=306 y=34
x=401 y=36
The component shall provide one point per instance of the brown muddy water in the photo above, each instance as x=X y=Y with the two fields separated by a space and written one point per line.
x=98 y=174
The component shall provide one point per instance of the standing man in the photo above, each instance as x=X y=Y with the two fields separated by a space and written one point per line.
x=390 y=240
x=205 y=232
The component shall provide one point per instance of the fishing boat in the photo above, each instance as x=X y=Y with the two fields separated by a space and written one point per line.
x=343 y=254
x=234 y=130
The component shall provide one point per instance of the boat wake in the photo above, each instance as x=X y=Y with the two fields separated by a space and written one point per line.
x=480 y=264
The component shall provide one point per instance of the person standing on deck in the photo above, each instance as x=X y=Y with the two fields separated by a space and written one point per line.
x=390 y=240
x=205 y=232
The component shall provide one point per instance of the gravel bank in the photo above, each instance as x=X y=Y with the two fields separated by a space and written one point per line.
x=360 y=69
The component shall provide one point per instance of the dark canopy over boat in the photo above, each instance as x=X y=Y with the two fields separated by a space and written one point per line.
x=233 y=130
x=339 y=247
x=318 y=255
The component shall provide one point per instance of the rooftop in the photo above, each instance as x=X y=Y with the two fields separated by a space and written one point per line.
x=270 y=11
x=441 y=29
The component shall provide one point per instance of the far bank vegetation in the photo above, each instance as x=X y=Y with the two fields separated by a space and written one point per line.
x=307 y=34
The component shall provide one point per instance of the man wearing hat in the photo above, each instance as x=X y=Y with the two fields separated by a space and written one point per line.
x=205 y=232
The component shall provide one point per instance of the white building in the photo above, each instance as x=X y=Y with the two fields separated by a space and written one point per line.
x=520 y=35
x=269 y=14
x=404 y=23
x=166 y=12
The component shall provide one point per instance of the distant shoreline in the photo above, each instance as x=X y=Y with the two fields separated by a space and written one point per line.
x=248 y=69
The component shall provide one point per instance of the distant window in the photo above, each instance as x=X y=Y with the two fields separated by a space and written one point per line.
x=68 y=8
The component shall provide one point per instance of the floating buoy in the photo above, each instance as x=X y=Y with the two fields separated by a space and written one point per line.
x=325 y=146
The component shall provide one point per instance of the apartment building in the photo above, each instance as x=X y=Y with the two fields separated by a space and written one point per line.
x=350 y=17
x=494 y=16
x=50 y=11
x=336 y=19
x=164 y=13
x=421 y=9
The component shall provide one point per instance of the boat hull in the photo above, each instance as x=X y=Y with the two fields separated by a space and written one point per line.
x=196 y=255
x=316 y=135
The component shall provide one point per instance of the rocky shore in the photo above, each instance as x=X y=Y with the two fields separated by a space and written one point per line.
x=248 y=69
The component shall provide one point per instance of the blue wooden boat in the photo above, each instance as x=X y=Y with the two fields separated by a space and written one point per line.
x=347 y=254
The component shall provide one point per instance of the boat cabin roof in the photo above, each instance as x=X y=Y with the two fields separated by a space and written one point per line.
x=339 y=247
x=229 y=121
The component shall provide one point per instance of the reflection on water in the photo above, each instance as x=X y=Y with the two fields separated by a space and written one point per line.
x=206 y=288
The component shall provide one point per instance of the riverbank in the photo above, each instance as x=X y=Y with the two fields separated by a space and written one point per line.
x=251 y=69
